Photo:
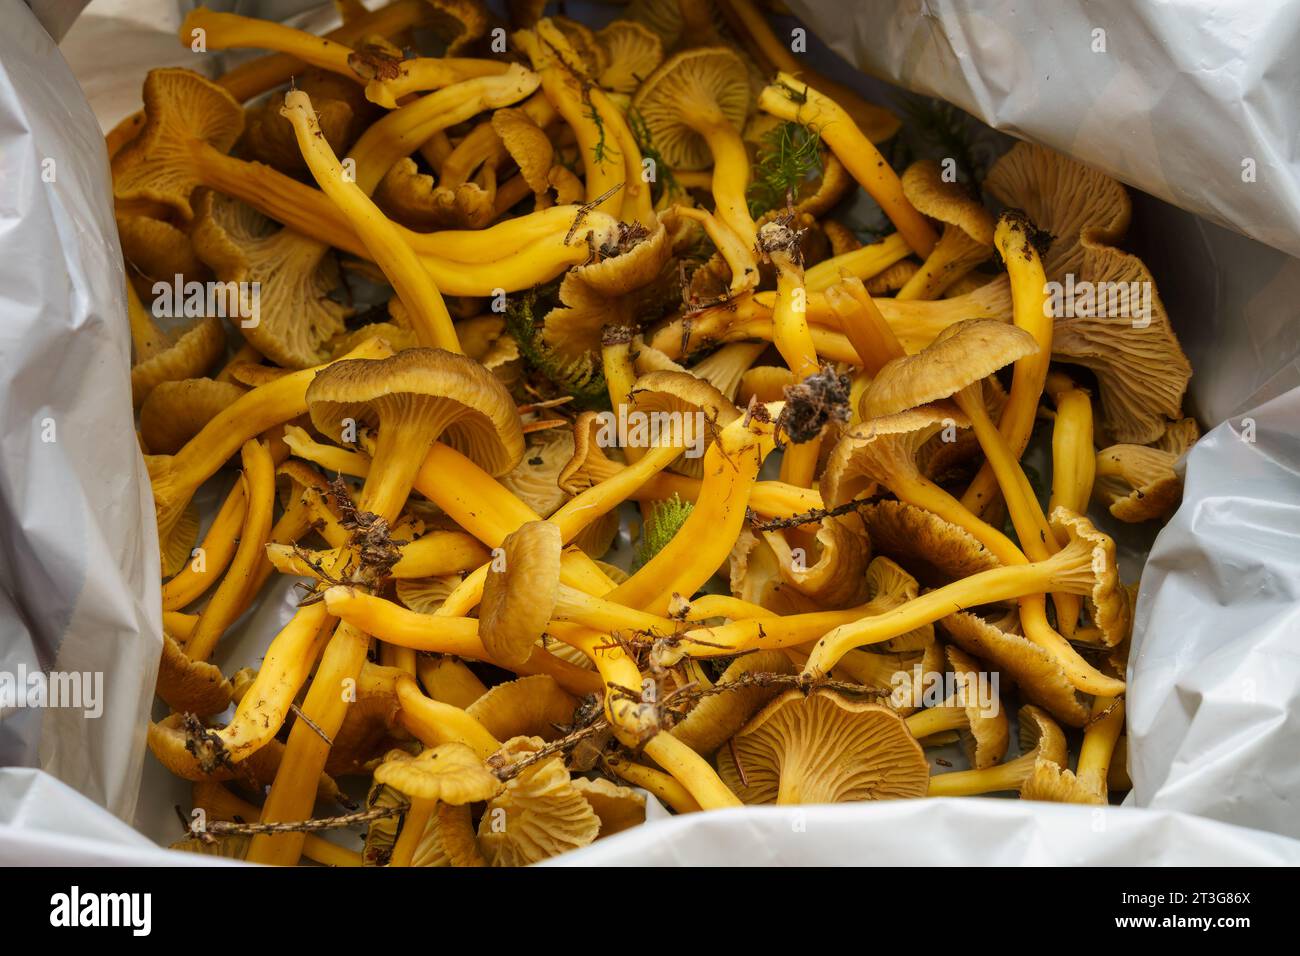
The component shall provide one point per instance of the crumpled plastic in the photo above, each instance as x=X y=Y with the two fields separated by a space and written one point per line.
x=1214 y=676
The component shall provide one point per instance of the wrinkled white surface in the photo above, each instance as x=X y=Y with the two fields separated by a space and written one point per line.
x=1215 y=670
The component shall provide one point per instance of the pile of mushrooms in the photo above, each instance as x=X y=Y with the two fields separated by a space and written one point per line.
x=471 y=256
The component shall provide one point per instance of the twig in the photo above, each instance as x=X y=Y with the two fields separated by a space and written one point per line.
x=222 y=828
x=806 y=517
x=298 y=712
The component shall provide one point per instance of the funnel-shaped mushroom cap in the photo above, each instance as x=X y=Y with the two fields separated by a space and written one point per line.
x=726 y=367
x=604 y=292
x=1064 y=198
x=949 y=202
x=888 y=586
x=1040 y=736
x=458 y=23
x=1054 y=784
x=536 y=479
x=872 y=453
x=589 y=464
x=708 y=79
x=175 y=412
x=1097 y=575
x=539 y=814
x=824 y=748
x=619 y=808
x=1038 y=675
x=476 y=414
x=189 y=686
x=527 y=144
x=986 y=736
x=520 y=592
x=960 y=355
x=1128 y=343
x=157 y=250
x=1137 y=483
x=414 y=199
x=755 y=576
x=718 y=717
x=190 y=356
x=295 y=275
x=682 y=397
x=448 y=838
x=933 y=550
x=633 y=52
x=533 y=706
x=450 y=773
x=833 y=571
x=180 y=106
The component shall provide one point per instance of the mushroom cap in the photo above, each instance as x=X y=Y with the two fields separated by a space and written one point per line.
x=633 y=51
x=539 y=814
x=949 y=202
x=1148 y=487
x=600 y=293
x=477 y=414
x=867 y=455
x=888 y=586
x=157 y=249
x=450 y=773
x=589 y=464
x=533 y=706
x=458 y=23
x=175 y=412
x=892 y=672
x=177 y=545
x=1108 y=603
x=755 y=576
x=824 y=748
x=1063 y=197
x=190 y=356
x=535 y=480
x=713 y=77
x=834 y=574
x=619 y=808
x=518 y=600
x=961 y=355
x=934 y=551
x=1040 y=735
x=527 y=144
x=583 y=42
x=448 y=838
x=179 y=106
x=295 y=276
x=682 y=395
x=1141 y=370
x=269 y=137
x=189 y=686
x=1039 y=676
x=398 y=336
x=415 y=200
x=717 y=718
x=987 y=735
x=1053 y=784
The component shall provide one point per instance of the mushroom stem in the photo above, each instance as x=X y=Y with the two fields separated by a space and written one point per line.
x=663 y=786
x=229 y=599
x=941 y=268
x=1074 y=463
x=871 y=336
x=634 y=717
x=968 y=783
x=730 y=168
x=936 y=720
x=692 y=771
x=444 y=634
x=1014 y=239
x=700 y=546
x=738 y=256
x=434 y=722
x=1099 y=739
x=424 y=305
x=790 y=98
x=413 y=826
x=865 y=262
x=620 y=375
x=230 y=31
x=218 y=547
x=986 y=587
x=428 y=73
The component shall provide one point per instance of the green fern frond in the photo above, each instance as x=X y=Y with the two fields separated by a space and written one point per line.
x=664 y=520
